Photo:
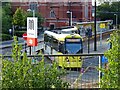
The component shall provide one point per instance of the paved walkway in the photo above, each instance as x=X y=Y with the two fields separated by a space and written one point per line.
x=101 y=48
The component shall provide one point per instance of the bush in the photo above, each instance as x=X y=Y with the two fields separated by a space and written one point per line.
x=111 y=77
x=6 y=37
x=21 y=73
x=19 y=33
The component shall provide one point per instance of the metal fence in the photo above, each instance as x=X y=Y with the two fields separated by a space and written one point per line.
x=87 y=76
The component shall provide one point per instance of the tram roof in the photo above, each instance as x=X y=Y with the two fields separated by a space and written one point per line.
x=60 y=37
x=70 y=29
x=92 y=22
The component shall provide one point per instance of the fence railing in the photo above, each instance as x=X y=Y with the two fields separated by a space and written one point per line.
x=87 y=76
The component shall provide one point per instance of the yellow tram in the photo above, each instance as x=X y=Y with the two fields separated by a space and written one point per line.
x=58 y=42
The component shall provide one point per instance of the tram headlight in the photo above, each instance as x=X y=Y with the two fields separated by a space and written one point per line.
x=67 y=59
x=80 y=59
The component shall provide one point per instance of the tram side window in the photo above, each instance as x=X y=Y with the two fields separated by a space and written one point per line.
x=54 y=43
x=61 y=48
x=46 y=39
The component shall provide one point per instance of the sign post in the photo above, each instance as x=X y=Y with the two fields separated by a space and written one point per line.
x=25 y=38
x=32 y=31
x=89 y=34
x=102 y=25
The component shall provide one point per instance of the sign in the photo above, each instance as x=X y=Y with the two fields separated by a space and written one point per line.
x=72 y=40
x=32 y=41
x=32 y=31
x=104 y=59
x=25 y=36
x=102 y=25
x=32 y=27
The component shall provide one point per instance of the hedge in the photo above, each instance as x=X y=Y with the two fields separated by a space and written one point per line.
x=6 y=37
x=19 y=33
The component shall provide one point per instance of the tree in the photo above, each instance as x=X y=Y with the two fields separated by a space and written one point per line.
x=19 y=18
x=6 y=18
x=107 y=10
x=111 y=77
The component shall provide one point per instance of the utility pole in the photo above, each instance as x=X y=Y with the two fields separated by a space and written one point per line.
x=116 y=19
x=95 y=43
x=69 y=12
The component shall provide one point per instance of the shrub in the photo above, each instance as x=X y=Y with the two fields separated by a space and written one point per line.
x=6 y=37
x=19 y=33
x=111 y=77
x=21 y=73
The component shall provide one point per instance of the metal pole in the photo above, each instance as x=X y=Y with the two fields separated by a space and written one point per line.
x=13 y=31
x=69 y=13
x=33 y=13
x=30 y=51
x=116 y=21
x=25 y=47
x=101 y=37
x=95 y=44
x=32 y=48
x=70 y=18
x=88 y=44
x=100 y=65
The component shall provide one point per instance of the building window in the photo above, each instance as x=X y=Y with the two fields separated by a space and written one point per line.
x=52 y=14
x=33 y=6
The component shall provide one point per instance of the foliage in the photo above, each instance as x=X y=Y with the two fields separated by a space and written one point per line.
x=5 y=37
x=6 y=17
x=21 y=73
x=19 y=18
x=19 y=33
x=111 y=77
x=107 y=10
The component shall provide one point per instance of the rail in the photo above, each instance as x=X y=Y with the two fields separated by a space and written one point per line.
x=85 y=77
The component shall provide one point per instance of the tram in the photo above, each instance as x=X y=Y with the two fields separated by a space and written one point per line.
x=61 y=42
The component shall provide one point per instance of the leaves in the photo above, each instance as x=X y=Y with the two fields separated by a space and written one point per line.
x=107 y=10
x=19 y=17
x=110 y=78
x=6 y=17
x=21 y=73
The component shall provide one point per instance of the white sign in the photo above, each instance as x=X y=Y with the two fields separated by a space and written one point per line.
x=32 y=27
x=30 y=41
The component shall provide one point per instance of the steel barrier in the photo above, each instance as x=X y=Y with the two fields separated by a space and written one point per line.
x=87 y=76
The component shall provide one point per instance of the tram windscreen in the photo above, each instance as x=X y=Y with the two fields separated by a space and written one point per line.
x=73 y=46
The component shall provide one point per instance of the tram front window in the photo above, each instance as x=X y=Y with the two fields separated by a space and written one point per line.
x=73 y=48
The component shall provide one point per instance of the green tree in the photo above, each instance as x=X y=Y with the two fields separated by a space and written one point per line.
x=107 y=10
x=102 y=11
x=111 y=77
x=19 y=18
x=6 y=17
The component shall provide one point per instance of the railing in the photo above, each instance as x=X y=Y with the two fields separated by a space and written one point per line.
x=87 y=76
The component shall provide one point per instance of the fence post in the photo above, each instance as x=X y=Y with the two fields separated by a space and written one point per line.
x=100 y=66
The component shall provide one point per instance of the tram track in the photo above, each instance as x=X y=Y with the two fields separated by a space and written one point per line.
x=104 y=35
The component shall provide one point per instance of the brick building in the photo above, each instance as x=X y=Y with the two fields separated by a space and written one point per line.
x=55 y=13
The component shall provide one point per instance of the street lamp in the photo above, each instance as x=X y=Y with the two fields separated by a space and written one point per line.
x=69 y=13
x=116 y=20
x=29 y=10
x=11 y=32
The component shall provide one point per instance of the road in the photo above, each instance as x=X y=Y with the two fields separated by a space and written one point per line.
x=84 y=77
x=6 y=46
